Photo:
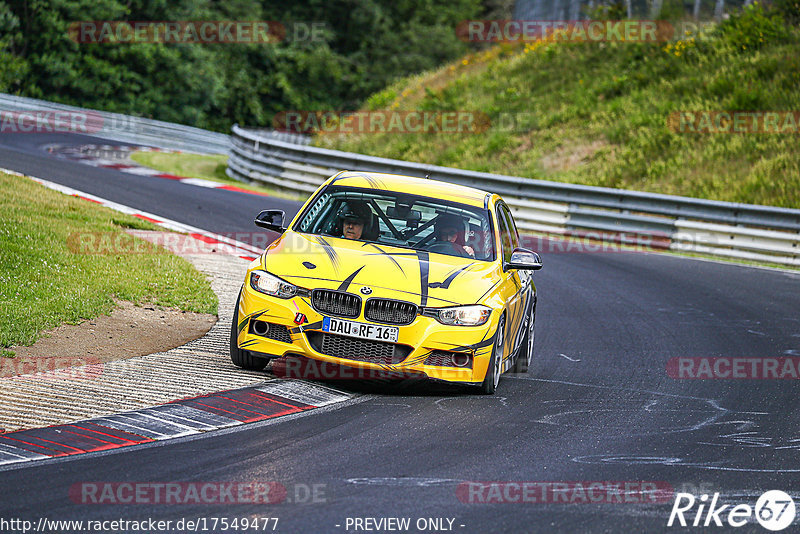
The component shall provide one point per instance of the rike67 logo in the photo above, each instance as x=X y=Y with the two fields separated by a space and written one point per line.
x=774 y=510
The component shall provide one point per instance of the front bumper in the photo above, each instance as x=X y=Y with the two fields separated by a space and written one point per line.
x=423 y=346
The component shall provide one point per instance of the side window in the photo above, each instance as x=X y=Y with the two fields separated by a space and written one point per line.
x=512 y=227
x=505 y=234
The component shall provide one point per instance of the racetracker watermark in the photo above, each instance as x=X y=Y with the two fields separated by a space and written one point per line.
x=576 y=31
x=596 y=243
x=55 y=368
x=213 y=493
x=121 y=243
x=381 y=122
x=579 y=492
x=734 y=368
x=195 y=32
x=480 y=122
x=308 y=369
x=83 y=122
x=48 y=121
x=735 y=122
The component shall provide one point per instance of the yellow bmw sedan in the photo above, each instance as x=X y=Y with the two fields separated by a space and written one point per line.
x=394 y=274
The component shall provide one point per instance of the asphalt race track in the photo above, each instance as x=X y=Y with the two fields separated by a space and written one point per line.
x=219 y=211
x=598 y=404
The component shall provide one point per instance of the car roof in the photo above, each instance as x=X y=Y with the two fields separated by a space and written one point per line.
x=415 y=186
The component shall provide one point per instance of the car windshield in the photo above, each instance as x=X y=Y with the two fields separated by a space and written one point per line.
x=400 y=220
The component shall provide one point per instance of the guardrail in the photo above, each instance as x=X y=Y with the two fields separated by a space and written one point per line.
x=135 y=130
x=743 y=231
x=123 y=128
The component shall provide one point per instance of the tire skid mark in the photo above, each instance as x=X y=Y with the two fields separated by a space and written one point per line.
x=737 y=433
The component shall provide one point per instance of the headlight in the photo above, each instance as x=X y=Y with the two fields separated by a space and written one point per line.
x=475 y=315
x=263 y=282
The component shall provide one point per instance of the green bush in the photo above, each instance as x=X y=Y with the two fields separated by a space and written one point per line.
x=753 y=27
x=381 y=99
x=788 y=9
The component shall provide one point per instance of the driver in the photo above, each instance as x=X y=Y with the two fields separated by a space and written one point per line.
x=447 y=228
x=354 y=215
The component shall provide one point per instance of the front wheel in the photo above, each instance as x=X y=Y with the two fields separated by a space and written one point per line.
x=525 y=355
x=494 y=371
x=243 y=358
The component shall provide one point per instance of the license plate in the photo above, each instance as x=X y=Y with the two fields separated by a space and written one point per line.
x=360 y=330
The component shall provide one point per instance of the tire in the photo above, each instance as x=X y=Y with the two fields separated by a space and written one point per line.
x=494 y=370
x=243 y=358
x=525 y=356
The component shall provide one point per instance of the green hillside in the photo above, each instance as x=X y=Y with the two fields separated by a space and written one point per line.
x=598 y=113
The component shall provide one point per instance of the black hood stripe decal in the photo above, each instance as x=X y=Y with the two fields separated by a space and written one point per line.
x=384 y=253
x=424 y=268
x=449 y=280
x=330 y=251
x=347 y=281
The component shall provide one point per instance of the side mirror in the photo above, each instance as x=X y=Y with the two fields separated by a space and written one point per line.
x=271 y=220
x=524 y=259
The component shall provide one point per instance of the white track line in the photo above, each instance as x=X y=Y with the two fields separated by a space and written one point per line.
x=234 y=248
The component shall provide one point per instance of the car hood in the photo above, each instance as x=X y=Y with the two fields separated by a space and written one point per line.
x=426 y=279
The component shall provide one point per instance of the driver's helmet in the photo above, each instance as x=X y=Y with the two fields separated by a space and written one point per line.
x=355 y=210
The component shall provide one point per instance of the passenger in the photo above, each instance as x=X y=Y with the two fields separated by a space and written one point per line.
x=447 y=229
x=354 y=216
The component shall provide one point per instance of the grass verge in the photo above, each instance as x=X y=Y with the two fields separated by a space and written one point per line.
x=45 y=283
x=205 y=166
